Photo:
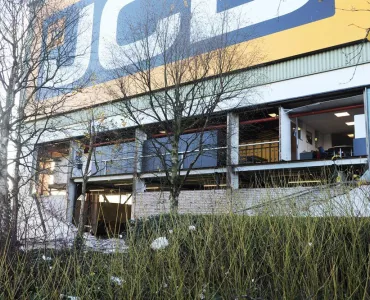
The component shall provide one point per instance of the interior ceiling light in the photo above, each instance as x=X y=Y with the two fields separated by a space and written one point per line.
x=162 y=132
x=351 y=135
x=273 y=115
x=350 y=123
x=342 y=114
x=100 y=190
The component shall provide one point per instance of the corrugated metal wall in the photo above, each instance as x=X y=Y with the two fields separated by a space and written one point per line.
x=318 y=63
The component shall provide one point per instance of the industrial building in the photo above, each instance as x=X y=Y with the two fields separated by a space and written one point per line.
x=310 y=107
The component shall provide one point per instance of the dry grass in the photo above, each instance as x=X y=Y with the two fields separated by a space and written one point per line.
x=225 y=257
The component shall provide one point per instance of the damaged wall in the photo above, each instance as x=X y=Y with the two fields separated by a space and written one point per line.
x=53 y=209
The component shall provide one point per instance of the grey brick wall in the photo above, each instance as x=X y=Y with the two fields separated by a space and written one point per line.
x=210 y=201
x=205 y=202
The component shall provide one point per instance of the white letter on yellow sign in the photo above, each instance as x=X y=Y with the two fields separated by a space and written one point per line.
x=155 y=44
x=62 y=74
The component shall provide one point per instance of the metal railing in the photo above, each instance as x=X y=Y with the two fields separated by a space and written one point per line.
x=261 y=152
x=107 y=166
x=210 y=157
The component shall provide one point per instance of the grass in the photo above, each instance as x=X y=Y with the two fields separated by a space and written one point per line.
x=225 y=257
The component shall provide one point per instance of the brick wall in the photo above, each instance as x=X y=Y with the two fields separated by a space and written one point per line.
x=211 y=201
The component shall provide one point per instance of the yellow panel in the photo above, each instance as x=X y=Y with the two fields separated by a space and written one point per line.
x=344 y=27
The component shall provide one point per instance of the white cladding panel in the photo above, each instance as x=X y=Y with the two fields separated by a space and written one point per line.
x=285 y=136
x=360 y=126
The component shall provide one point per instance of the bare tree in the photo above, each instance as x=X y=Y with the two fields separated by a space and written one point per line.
x=94 y=130
x=93 y=125
x=36 y=39
x=183 y=81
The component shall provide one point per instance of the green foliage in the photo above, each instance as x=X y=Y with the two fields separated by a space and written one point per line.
x=224 y=257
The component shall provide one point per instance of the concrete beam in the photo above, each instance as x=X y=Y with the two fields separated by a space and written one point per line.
x=251 y=168
x=106 y=178
x=304 y=164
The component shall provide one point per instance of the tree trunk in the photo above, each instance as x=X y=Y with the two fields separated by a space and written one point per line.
x=81 y=219
x=16 y=185
x=79 y=242
x=5 y=205
x=174 y=199
x=39 y=211
x=85 y=178
x=175 y=177
x=15 y=201
x=37 y=196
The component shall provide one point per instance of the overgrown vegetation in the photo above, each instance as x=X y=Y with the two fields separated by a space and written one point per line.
x=221 y=257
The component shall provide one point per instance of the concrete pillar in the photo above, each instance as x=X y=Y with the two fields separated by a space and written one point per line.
x=71 y=185
x=138 y=184
x=285 y=136
x=296 y=133
x=94 y=212
x=232 y=150
x=33 y=186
